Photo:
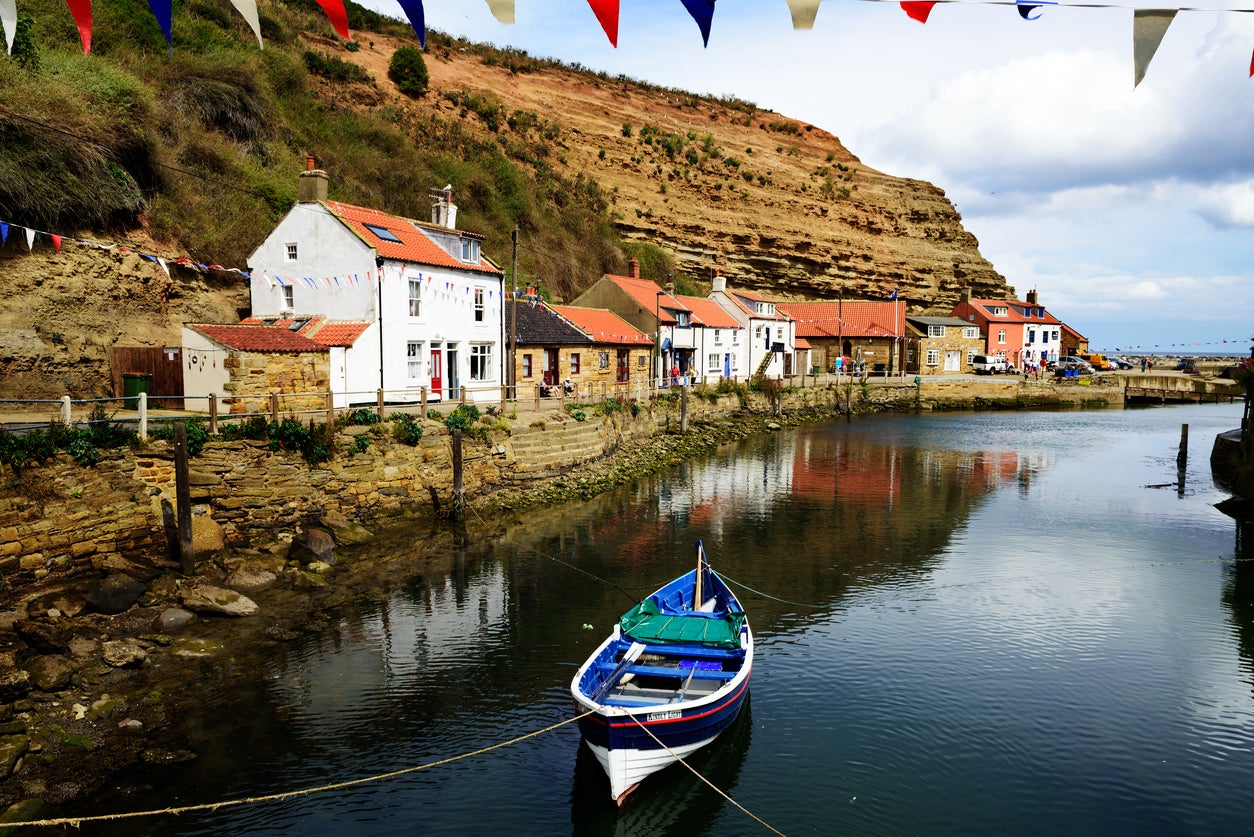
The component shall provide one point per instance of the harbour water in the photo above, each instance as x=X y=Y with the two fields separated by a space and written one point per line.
x=1001 y=623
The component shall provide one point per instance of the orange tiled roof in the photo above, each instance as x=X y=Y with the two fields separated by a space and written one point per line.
x=708 y=313
x=645 y=293
x=316 y=327
x=604 y=326
x=258 y=338
x=849 y=319
x=414 y=245
x=1014 y=311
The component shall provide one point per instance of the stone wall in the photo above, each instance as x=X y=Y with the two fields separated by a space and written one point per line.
x=63 y=521
x=254 y=375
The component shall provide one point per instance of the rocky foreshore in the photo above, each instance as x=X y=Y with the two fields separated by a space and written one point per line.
x=96 y=675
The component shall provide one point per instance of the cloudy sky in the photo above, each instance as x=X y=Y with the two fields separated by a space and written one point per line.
x=1131 y=211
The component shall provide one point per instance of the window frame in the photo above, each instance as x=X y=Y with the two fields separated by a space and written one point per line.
x=415 y=297
x=481 y=361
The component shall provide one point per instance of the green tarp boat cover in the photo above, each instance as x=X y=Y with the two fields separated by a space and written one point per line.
x=646 y=623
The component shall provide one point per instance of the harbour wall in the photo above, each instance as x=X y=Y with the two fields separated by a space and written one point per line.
x=62 y=522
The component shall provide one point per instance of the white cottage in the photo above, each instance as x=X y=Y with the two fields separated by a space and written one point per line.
x=432 y=301
x=772 y=344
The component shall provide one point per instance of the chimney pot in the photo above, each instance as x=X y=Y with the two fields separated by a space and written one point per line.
x=633 y=268
x=309 y=163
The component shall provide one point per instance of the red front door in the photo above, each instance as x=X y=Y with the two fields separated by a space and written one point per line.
x=437 y=372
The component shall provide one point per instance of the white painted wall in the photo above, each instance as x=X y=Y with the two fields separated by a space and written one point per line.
x=444 y=326
x=204 y=371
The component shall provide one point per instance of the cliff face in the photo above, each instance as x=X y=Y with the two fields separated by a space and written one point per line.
x=774 y=204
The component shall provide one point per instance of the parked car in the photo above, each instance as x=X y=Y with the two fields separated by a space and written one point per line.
x=1187 y=365
x=1072 y=366
x=988 y=365
x=1120 y=363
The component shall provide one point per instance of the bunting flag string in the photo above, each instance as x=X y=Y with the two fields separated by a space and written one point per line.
x=1149 y=25
x=33 y=235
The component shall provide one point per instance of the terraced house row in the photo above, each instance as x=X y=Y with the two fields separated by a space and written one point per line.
x=351 y=300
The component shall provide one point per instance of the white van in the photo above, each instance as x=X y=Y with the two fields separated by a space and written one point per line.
x=988 y=365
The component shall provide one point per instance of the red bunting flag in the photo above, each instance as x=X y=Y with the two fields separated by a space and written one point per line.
x=56 y=242
x=81 y=9
x=337 y=16
x=1251 y=66
x=607 y=13
x=917 y=9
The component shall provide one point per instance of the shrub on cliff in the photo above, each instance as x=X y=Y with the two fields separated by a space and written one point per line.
x=409 y=71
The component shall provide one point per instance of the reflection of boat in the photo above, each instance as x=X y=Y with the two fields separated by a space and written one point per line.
x=672 y=675
x=675 y=802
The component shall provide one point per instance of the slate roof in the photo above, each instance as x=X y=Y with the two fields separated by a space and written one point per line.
x=940 y=321
x=739 y=298
x=258 y=338
x=604 y=326
x=849 y=319
x=414 y=245
x=538 y=325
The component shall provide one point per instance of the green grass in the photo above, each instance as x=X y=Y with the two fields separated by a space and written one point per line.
x=91 y=144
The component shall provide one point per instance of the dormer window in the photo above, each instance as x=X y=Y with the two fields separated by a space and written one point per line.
x=999 y=311
x=767 y=309
x=470 y=251
x=682 y=319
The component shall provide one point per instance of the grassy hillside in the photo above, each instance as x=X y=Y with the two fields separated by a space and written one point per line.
x=198 y=150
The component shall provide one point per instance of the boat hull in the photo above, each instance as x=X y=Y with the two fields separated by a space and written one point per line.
x=631 y=745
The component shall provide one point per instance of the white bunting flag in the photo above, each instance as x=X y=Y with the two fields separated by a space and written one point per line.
x=1148 y=28
x=502 y=10
x=248 y=8
x=803 y=13
x=8 y=19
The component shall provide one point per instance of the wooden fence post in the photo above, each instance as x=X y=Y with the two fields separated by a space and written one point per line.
x=459 y=497
x=183 y=498
x=143 y=415
x=330 y=412
x=683 y=410
x=274 y=407
x=65 y=410
x=213 y=414
x=424 y=402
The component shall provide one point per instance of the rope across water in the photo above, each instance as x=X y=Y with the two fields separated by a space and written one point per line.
x=76 y=822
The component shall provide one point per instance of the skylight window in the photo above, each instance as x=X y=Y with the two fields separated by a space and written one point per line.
x=384 y=233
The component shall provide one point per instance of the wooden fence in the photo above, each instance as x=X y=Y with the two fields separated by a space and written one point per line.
x=164 y=365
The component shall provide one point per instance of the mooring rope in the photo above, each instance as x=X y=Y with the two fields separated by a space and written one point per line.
x=76 y=822
x=593 y=576
x=716 y=789
x=744 y=586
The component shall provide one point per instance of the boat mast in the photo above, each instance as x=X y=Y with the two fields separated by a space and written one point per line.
x=696 y=596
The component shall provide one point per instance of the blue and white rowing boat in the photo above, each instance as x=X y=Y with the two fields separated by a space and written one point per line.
x=672 y=675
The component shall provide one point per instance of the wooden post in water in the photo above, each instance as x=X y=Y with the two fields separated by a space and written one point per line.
x=459 y=497
x=683 y=410
x=1182 y=457
x=183 y=499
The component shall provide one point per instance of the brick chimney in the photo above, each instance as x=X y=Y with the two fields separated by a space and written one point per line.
x=965 y=294
x=1032 y=297
x=312 y=186
x=633 y=268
